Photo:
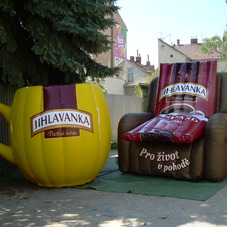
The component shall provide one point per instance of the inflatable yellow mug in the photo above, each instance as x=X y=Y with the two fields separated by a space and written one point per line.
x=60 y=134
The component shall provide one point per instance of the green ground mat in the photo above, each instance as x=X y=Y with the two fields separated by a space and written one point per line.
x=112 y=180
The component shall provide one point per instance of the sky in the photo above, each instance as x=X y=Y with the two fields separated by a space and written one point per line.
x=148 y=20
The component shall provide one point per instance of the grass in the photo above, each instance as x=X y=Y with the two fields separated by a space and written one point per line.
x=114 y=145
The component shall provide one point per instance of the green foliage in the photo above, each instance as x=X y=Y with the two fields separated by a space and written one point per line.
x=216 y=44
x=138 y=91
x=114 y=145
x=148 y=79
x=52 y=41
x=99 y=81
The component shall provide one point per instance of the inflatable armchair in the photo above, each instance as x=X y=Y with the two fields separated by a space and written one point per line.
x=205 y=157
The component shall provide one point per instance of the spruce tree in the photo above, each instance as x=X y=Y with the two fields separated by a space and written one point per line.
x=52 y=41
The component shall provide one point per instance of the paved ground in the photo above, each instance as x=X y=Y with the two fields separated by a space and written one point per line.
x=26 y=204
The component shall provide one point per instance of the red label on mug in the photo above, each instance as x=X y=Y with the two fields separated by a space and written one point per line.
x=60 y=117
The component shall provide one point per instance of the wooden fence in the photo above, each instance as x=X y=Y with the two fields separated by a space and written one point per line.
x=120 y=105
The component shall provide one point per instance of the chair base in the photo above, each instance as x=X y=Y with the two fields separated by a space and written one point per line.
x=180 y=161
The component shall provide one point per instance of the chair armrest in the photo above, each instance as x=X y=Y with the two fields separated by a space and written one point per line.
x=132 y=120
x=126 y=123
x=215 y=144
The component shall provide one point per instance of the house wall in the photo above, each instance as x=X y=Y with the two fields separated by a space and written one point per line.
x=139 y=75
x=166 y=54
x=114 y=85
x=107 y=58
x=222 y=66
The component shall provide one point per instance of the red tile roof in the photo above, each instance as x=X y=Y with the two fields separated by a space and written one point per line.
x=193 y=51
x=144 y=68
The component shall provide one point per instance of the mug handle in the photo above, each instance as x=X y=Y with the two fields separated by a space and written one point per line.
x=6 y=151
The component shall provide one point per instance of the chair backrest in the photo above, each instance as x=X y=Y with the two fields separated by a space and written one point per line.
x=152 y=95
x=221 y=93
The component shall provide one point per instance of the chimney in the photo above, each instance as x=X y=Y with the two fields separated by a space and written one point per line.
x=132 y=58
x=148 y=62
x=194 y=40
x=178 y=42
x=138 y=59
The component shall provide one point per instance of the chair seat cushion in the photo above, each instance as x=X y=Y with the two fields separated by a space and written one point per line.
x=177 y=128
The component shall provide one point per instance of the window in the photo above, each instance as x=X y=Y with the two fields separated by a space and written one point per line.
x=130 y=75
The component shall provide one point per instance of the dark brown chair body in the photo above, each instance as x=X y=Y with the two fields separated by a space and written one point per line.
x=205 y=158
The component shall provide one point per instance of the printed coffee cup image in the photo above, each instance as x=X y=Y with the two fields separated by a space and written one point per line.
x=178 y=108
x=60 y=135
